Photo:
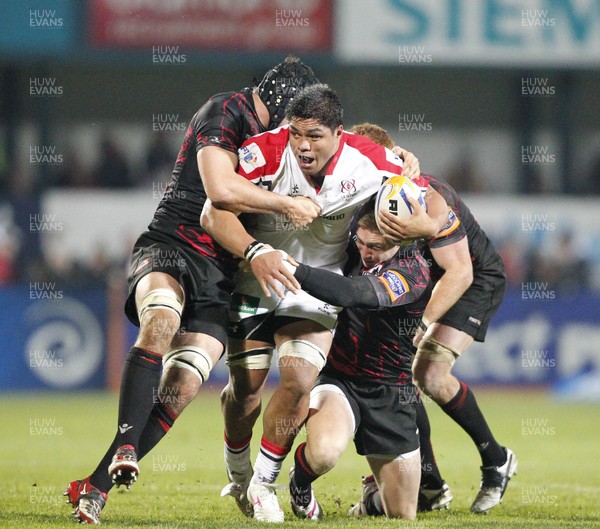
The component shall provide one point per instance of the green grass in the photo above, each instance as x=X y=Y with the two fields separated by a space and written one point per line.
x=48 y=440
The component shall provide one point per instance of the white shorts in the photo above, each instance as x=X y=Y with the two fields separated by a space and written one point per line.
x=249 y=300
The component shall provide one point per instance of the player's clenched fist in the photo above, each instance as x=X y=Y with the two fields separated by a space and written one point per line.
x=302 y=211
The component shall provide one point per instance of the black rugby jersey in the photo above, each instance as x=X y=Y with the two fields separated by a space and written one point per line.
x=225 y=120
x=376 y=345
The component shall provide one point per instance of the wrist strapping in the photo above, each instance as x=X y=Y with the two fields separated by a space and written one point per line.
x=251 y=251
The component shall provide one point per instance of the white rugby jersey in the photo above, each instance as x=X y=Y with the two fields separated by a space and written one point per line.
x=353 y=176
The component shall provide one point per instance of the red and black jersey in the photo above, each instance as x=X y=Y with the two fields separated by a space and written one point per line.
x=376 y=345
x=483 y=255
x=225 y=121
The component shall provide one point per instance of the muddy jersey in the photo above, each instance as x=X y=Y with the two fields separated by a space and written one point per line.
x=461 y=222
x=376 y=345
x=353 y=176
x=225 y=121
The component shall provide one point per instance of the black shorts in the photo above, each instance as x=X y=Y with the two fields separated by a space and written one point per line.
x=385 y=416
x=261 y=327
x=207 y=288
x=474 y=310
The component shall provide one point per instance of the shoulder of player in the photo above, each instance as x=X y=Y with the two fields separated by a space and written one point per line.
x=381 y=157
x=271 y=143
x=440 y=185
x=362 y=144
x=217 y=100
x=223 y=103
x=270 y=139
x=218 y=106
x=265 y=151
x=225 y=97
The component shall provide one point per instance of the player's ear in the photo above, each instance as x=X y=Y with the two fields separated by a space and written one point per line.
x=338 y=131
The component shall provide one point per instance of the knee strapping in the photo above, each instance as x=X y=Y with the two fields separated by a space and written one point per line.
x=433 y=351
x=305 y=350
x=161 y=298
x=259 y=358
x=192 y=358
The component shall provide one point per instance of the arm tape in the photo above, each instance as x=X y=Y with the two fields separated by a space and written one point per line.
x=336 y=289
x=252 y=249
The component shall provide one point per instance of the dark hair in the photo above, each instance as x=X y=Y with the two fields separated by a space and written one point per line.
x=280 y=84
x=316 y=102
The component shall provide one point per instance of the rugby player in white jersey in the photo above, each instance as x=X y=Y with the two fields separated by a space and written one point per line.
x=312 y=156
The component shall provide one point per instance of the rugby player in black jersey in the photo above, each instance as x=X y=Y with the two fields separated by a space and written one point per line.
x=365 y=390
x=469 y=286
x=180 y=280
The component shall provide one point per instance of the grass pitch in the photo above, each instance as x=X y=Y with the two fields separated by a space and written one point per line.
x=48 y=440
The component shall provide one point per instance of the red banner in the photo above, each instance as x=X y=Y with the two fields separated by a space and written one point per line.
x=248 y=25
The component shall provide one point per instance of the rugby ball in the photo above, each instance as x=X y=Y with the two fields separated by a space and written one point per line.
x=392 y=197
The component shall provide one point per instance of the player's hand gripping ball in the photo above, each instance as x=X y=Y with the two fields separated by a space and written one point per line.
x=392 y=197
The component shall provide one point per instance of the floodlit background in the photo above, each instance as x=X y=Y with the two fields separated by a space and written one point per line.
x=500 y=97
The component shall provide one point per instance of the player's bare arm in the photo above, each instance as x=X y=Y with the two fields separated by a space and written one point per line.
x=437 y=209
x=228 y=190
x=267 y=266
x=455 y=260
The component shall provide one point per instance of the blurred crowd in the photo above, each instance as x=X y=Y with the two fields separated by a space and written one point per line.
x=21 y=257
x=559 y=265
x=562 y=267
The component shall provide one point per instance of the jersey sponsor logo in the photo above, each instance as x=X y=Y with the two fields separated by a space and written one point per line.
x=244 y=304
x=451 y=226
x=394 y=283
x=251 y=157
x=335 y=217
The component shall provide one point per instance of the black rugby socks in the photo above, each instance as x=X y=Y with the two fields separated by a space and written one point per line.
x=300 y=486
x=139 y=390
x=463 y=409
x=430 y=473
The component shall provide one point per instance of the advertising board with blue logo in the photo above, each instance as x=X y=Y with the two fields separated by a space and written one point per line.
x=52 y=338
x=540 y=336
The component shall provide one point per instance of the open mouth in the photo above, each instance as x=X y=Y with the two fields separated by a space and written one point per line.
x=305 y=161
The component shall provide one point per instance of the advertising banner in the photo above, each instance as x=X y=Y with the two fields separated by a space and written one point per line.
x=526 y=33
x=52 y=338
x=38 y=26
x=539 y=336
x=254 y=25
